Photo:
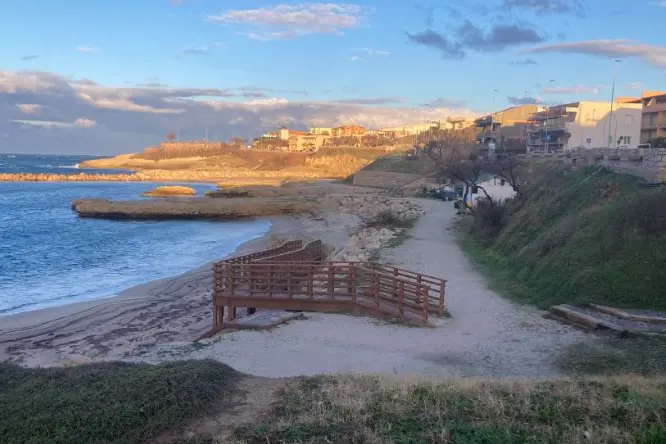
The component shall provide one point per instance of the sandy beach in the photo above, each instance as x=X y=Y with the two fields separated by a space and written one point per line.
x=487 y=335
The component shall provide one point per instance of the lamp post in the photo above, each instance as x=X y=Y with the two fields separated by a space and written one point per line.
x=546 y=124
x=610 y=122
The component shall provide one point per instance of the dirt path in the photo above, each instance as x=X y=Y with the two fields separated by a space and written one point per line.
x=488 y=336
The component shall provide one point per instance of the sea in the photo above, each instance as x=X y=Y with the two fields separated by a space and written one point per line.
x=50 y=257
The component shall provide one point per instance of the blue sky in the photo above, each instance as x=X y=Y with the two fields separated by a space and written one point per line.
x=128 y=71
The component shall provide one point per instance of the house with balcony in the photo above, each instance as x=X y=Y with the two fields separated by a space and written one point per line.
x=653 y=120
x=585 y=125
x=510 y=124
x=307 y=142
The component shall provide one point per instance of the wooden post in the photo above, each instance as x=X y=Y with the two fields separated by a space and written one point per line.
x=331 y=279
x=290 y=288
x=395 y=282
x=375 y=288
x=424 y=292
x=419 y=278
x=401 y=300
x=442 y=291
x=310 y=283
x=352 y=282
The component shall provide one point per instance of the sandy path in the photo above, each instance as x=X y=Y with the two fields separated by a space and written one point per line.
x=488 y=336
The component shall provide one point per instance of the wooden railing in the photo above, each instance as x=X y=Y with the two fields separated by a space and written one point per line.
x=290 y=278
x=284 y=248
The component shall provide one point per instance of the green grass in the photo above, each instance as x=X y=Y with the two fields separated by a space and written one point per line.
x=588 y=236
x=108 y=402
x=377 y=410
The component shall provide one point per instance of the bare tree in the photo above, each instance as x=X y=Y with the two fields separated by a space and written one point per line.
x=171 y=137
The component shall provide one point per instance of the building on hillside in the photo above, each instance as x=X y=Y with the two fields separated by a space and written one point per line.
x=511 y=123
x=321 y=131
x=307 y=142
x=653 y=119
x=459 y=122
x=585 y=125
x=397 y=131
x=347 y=131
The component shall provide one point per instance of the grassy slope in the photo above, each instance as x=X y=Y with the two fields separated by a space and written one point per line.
x=584 y=236
x=375 y=410
x=106 y=403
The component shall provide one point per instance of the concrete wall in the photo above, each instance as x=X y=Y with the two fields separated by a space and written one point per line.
x=383 y=179
x=649 y=164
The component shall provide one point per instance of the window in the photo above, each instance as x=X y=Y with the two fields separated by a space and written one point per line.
x=629 y=120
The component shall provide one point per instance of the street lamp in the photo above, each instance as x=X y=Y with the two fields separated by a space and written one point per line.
x=546 y=123
x=610 y=122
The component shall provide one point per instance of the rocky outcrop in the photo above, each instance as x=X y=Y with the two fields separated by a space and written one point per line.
x=194 y=208
x=166 y=191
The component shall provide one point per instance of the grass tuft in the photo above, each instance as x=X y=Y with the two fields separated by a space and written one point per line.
x=108 y=402
x=378 y=410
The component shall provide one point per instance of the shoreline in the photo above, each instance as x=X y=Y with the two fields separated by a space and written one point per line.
x=77 y=318
x=161 y=319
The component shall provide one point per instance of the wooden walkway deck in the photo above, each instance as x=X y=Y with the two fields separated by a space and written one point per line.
x=294 y=277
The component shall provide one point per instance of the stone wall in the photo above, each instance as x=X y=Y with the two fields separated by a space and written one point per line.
x=649 y=164
x=383 y=179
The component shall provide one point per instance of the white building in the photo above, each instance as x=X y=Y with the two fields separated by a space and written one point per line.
x=497 y=188
x=585 y=125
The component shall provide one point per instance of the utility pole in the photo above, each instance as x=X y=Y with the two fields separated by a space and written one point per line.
x=610 y=123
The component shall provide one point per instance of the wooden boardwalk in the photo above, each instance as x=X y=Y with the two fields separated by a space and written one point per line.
x=295 y=277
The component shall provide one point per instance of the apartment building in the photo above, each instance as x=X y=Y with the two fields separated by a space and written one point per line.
x=653 y=119
x=347 y=131
x=511 y=123
x=307 y=142
x=585 y=125
x=321 y=131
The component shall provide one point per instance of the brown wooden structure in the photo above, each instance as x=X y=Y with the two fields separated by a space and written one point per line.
x=295 y=277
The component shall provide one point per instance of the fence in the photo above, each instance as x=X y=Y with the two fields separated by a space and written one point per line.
x=320 y=286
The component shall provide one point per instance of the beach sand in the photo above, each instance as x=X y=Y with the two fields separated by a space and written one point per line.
x=175 y=310
x=487 y=336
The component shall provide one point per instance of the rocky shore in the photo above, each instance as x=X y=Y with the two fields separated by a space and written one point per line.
x=82 y=177
x=189 y=209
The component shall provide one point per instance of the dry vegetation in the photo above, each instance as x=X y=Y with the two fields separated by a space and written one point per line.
x=379 y=410
x=221 y=160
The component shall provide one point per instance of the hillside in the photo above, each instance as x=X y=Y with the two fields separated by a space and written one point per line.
x=585 y=236
x=229 y=161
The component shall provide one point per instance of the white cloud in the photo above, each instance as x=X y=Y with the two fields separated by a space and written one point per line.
x=287 y=21
x=654 y=55
x=86 y=48
x=29 y=108
x=373 y=52
x=85 y=123
x=580 y=89
x=355 y=58
x=107 y=119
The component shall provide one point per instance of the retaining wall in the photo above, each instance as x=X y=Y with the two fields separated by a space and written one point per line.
x=383 y=179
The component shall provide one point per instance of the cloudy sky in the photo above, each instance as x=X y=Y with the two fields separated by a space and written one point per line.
x=103 y=77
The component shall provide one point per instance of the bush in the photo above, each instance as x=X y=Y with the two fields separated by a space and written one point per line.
x=389 y=219
x=489 y=219
x=106 y=403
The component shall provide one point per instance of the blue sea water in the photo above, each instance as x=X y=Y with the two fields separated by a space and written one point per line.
x=50 y=257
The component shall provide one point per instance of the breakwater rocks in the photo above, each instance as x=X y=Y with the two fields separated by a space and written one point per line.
x=191 y=208
x=32 y=177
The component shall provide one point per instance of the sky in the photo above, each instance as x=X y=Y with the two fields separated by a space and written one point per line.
x=105 y=77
